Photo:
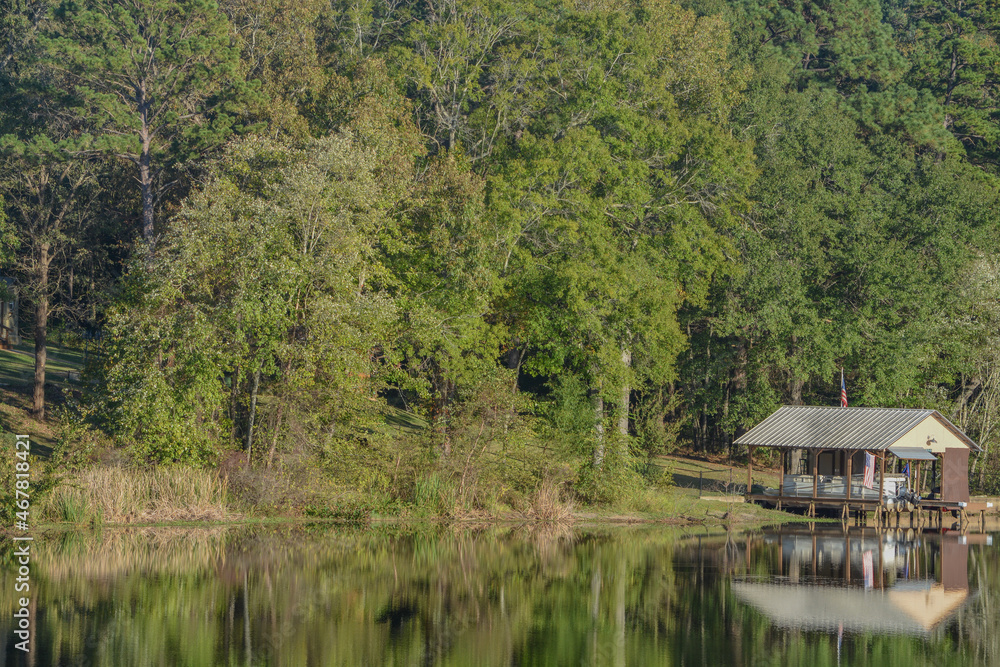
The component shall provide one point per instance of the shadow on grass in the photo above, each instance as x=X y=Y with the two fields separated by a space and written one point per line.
x=17 y=373
x=709 y=485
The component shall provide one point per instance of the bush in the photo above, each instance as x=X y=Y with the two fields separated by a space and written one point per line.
x=41 y=480
x=614 y=480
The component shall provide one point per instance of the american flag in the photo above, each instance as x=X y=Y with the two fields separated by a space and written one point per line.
x=869 y=480
x=843 y=390
x=869 y=571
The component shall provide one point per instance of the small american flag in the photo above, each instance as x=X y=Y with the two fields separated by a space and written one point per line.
x=868 y=569
x=869 y=480
x=843 y=390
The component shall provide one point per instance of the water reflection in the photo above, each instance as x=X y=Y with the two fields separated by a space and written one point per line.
x=382 y=595
x=862 y=581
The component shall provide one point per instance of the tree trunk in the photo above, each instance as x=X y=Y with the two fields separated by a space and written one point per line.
x=41 y=333
x=968 y=389
x=145 y=174
x=623 y=406
x=598 y=426
x=795 y=390
x=253 y=413
x=274 y=437
x=233 y=407
x=515 y=355
x=147 y=199
x=41 y=330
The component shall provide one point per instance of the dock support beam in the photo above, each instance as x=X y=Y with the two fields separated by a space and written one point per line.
x=881 y=478
x=850 y=457
x=816 y=453
x=781 y=480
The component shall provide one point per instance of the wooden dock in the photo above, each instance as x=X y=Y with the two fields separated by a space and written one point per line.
x=924 y=513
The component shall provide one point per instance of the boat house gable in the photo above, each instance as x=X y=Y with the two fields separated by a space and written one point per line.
x=936 y=434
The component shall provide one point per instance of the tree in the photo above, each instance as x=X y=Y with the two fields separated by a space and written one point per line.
x=951 y=46
x=19 y=23
x=853 y=254
x=843 y=42
x=277 y=40
x=613 y=198
x=49 y=209
x=151 y=80
x=256 y=291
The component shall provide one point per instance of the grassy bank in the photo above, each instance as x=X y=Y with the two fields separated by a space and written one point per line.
x=93 y=482
x=119 y=495
x=116 y=495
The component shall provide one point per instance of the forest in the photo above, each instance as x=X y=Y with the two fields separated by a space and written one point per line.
x=460 y=251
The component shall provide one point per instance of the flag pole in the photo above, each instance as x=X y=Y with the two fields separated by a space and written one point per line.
x=843 y=389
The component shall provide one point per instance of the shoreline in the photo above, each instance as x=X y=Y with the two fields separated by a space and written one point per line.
x=583 y=518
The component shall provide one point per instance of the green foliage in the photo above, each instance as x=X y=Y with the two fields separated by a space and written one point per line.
x=951 y=48
x=290 y=311
x=844 y=42
x=476 y=242
x=8 y=238
x=615 y=480
x=152 y=68
x=570 y=413
x=861 y=235
x=43 y=478
x=277 y=41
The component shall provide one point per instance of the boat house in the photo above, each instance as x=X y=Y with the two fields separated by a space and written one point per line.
x=914 y=457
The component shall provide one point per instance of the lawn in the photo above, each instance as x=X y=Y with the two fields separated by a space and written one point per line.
x=698 y=477
x=17 y=373
x=62 y=367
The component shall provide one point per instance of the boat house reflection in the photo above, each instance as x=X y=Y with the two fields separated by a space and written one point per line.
x=863 y=581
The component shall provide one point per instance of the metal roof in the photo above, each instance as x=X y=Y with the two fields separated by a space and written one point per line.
x=825 y=427
x=912 y=453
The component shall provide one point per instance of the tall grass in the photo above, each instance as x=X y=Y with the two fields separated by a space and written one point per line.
x=123 y=495
x=547 y=506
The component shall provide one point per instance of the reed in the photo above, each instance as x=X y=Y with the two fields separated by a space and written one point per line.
x=123 y=495
x=547 y=506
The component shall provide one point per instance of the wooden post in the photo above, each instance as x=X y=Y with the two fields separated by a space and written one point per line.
x=847 y=558
x=816 y=454
x=781 y=480
x=881 y=478
x=850 y=459
x=916 y=478
x=749 y=470
x=934 y=479
x=881 y=580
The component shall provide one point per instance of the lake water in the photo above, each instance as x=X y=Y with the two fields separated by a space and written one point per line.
x=386 y=595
